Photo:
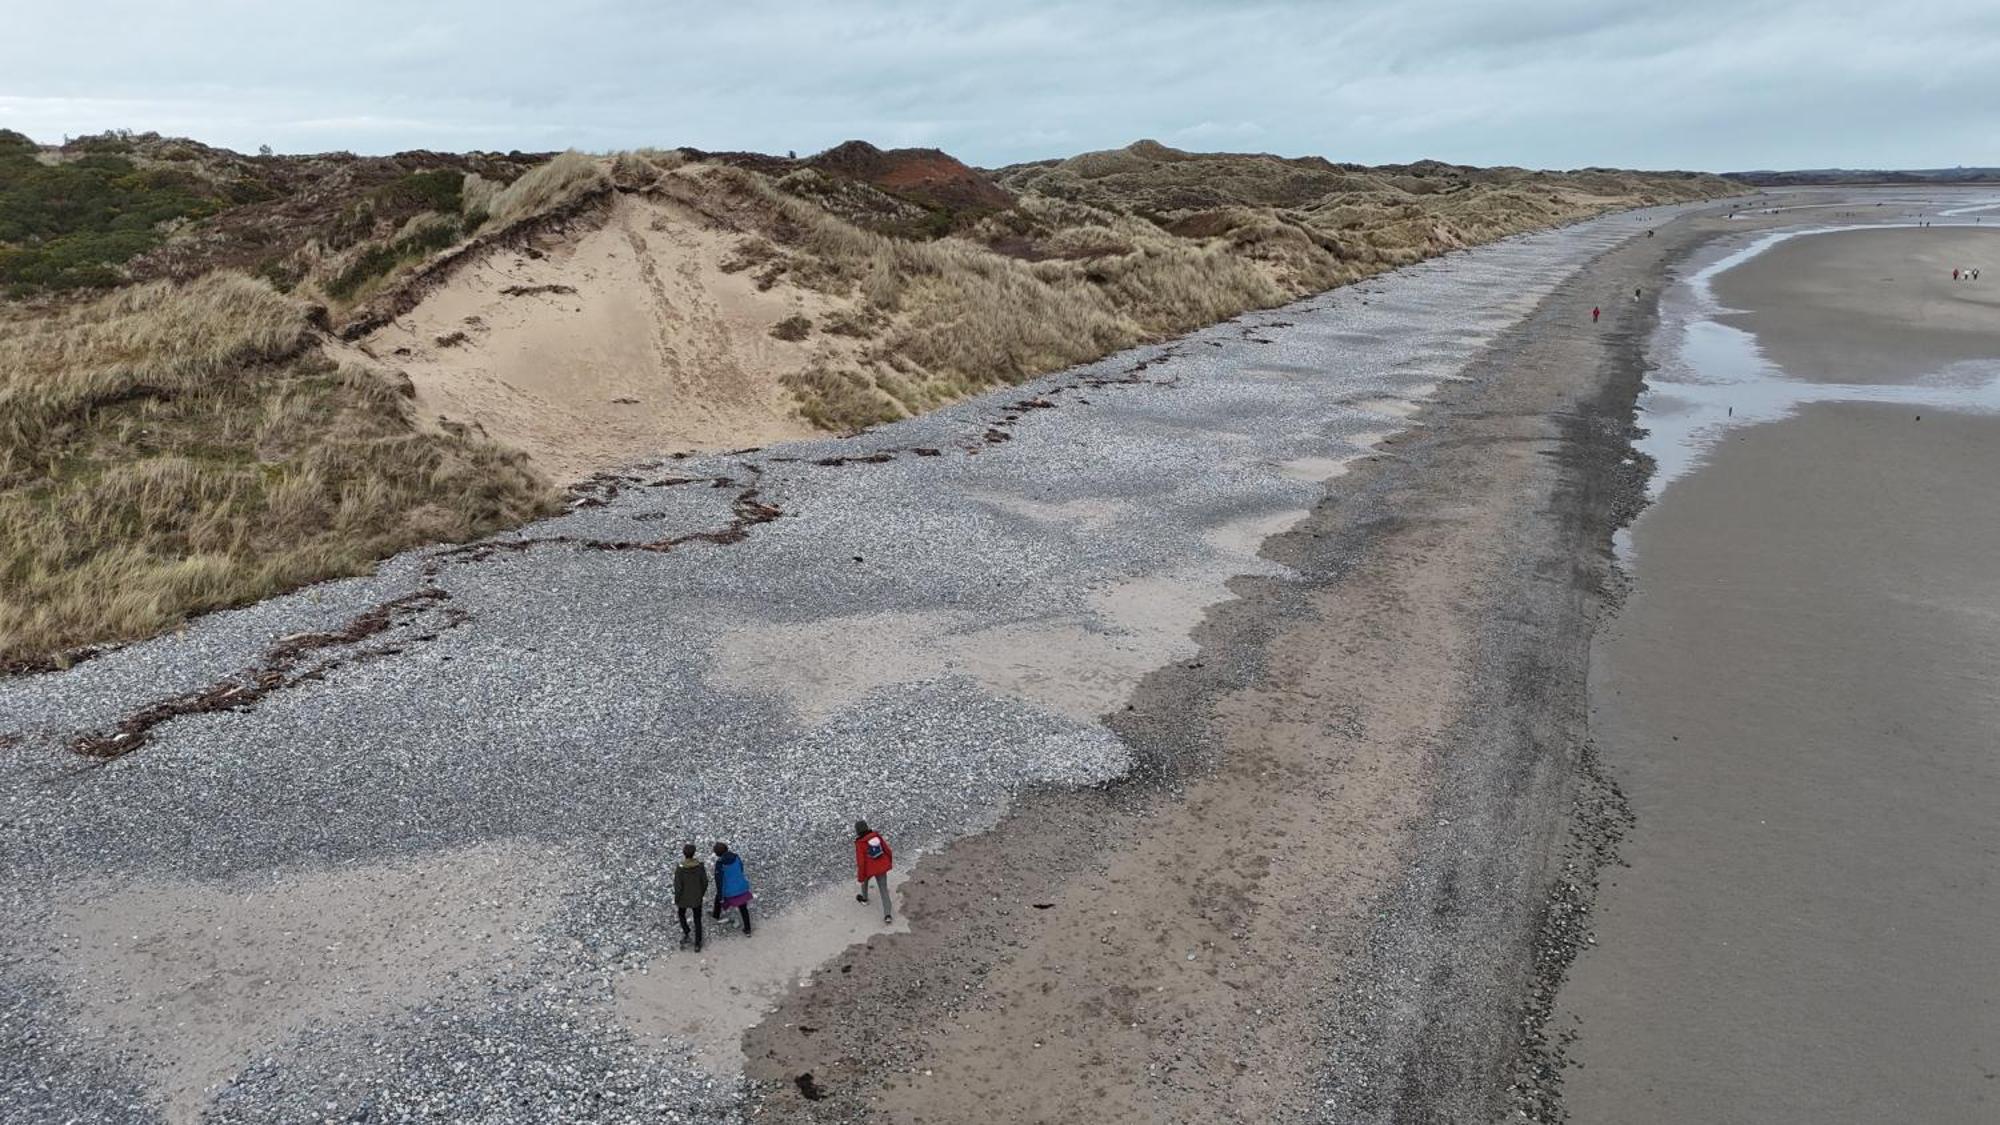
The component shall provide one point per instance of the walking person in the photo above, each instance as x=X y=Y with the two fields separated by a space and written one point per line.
x=872 y=860
x=690 y=887
x=732 y=885
x=1594 y=311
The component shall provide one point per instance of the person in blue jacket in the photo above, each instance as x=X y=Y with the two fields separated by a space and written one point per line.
x=732 y=886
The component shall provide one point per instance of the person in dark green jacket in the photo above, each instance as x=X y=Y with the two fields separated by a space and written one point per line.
x=690 y=887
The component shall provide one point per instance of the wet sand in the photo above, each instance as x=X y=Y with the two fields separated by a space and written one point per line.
x=1870 y=305
x=1319 y=898
x=1801 y=699
x=1800 y=702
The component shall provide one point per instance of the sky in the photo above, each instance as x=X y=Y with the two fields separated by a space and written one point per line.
x=1717 y=85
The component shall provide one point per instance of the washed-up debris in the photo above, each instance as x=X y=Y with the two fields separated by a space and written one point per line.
x=274 y=671
x=858 y=459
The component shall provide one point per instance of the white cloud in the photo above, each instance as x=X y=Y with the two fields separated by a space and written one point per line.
x=1699 y=83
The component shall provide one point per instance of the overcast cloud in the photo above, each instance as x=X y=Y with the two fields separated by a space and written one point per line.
x=1714 y=84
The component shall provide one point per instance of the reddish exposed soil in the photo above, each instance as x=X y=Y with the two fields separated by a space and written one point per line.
x=924 y=175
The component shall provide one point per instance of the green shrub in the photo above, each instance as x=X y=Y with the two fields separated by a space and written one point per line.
x=71 y=225
x=436 y=190
x=421 y=239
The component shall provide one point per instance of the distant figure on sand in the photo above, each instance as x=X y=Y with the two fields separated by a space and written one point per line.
x=732 y=885
x=872 y=860
x=1594 y=310
x=690 y=887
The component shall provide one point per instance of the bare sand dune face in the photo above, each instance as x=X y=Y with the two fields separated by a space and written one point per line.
x=626 y=342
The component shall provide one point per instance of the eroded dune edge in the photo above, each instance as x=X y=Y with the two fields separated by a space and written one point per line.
x=314 y=362
x=486 y=752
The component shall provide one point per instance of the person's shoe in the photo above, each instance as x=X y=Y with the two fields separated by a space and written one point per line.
x=861 y=898
x=697 y=947
x=888 y=917
x=685 y=939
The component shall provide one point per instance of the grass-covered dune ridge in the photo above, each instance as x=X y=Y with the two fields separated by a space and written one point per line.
x=1103 y=251
x=197 y=410
x=176 y=447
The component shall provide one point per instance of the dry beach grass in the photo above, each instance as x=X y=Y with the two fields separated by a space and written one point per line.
x=175 y=447
x=172 y=448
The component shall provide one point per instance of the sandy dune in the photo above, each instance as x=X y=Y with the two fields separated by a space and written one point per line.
x=612 y=347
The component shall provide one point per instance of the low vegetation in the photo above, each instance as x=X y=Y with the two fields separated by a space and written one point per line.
x=558 y=183
x=72 y=223
x=174 y=448
x=1095 y=253
x=423 y=236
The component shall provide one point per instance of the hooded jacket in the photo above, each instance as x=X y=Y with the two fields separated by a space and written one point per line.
x=871 y=856
x=730 y=879
x=690 y=883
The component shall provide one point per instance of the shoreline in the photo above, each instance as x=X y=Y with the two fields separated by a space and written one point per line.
x=1792 y=699
x=1445 y=973
x=910 y=625
x=1417 y=728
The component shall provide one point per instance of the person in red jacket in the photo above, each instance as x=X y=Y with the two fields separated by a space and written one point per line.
x=872 y=860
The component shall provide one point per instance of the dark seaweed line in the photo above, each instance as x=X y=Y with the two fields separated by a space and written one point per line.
x=280 y=666
x=272 y=673
x=277 y=669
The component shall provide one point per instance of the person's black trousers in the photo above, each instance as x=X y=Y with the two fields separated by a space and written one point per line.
x=741 y=911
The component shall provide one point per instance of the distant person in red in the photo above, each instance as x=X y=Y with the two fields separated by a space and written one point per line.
x=1594 y=310
x=872 y=860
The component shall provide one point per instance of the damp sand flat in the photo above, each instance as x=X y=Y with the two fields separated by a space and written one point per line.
x=1800 y=698
x=1864 y=306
